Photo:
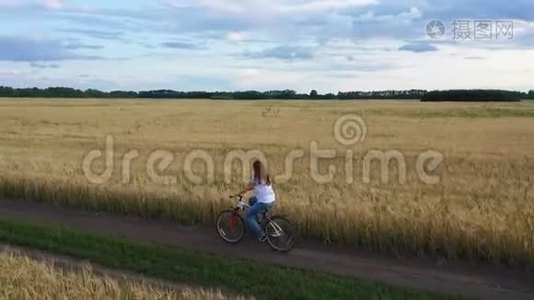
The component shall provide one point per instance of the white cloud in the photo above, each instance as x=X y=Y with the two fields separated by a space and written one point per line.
x=322 y=5
x=268 y=7
x=60 y=5
x=347 y=44
x=235 y=36
x=10 y=3
x=53 y=4
x=412 y=14
x=268 y=79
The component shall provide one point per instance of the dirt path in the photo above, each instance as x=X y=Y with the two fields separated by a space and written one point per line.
x=472 y=280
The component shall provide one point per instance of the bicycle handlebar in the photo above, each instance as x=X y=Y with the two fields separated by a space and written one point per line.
x=241 y=204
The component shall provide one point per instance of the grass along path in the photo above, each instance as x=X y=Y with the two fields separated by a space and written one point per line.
x=242 y=276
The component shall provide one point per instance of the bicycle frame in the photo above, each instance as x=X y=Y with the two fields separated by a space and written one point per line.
x=243 y=207
x=278 y=231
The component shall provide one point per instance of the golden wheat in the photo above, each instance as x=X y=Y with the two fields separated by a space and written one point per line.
x=482 y=208
x=26 y=278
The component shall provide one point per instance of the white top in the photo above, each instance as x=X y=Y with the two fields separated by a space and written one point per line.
x=264 y=192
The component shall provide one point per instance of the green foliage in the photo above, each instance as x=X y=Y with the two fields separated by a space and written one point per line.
x=452 y=95
x=390 y=94
x=473 y=96
x=242 y=276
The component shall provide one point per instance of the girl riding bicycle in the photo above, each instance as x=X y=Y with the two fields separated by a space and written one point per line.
x=263 y=199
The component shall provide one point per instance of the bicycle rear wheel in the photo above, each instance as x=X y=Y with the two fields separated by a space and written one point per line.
x=279 y=233
x=230 y=226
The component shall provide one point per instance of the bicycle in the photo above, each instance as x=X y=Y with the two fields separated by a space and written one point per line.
x=231 y=226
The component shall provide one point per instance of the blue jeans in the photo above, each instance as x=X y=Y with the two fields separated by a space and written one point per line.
x=255 y=209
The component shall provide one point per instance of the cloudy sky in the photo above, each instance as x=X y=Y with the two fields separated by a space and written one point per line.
x=328 y=45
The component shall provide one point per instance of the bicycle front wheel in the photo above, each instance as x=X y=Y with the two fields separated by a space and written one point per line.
x=230 y=226
x=279 y=233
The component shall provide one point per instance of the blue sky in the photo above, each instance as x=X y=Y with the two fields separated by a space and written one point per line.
x=328 y=45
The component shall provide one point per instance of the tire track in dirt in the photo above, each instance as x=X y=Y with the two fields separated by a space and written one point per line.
x=481 y=281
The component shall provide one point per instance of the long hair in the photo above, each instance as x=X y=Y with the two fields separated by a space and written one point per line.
x=260 y=173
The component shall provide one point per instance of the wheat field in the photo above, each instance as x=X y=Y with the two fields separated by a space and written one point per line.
x=26 y=278
x=481 y=208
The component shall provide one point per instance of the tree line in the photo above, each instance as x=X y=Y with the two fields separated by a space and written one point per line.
x=476 y=95
x=423 y=95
